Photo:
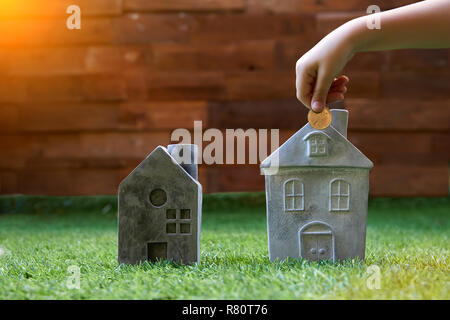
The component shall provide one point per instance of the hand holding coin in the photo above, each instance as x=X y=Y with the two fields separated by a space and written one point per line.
x=320 y=120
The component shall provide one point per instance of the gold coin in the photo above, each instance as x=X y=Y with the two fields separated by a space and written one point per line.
x=320 y=120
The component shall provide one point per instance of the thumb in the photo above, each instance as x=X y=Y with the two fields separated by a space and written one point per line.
x=320 y=93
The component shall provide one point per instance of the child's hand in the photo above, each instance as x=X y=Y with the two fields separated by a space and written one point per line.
x=316 y=70
x=420 y=25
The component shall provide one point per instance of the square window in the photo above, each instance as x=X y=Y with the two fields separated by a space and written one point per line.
x=185 y=228
x=171 y=228
x=171 y=214
x=185 y=213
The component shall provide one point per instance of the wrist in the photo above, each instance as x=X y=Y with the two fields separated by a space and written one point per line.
x=357 y=36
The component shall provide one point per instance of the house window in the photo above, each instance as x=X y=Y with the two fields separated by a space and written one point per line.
x=178 y=221
x=339 y=195
x=158 y=197
x=317 y=144
x=294 y=199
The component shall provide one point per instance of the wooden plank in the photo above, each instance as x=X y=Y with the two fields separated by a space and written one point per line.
x=72 y=88
x=12 y=89
x=185 y=86
x=63 y=182
x=290 y=49
x=220 y=29
x=403 y=180
x=314 y=6
x=367 y=62
x=247 y=55
x=363 y=84
x=8 y=182
x=440 y=144
x=20 y=150
x=419 y=59
x=15 y=150
x=137 y=89
x=76 y=88
x=45 y=61
x=279 y=113
x=52 y=8
x=74 y=60
x=162 y=115
x=39 y=32
x=9 y=118
x=74 y=117
x=67 y=117
x=234 y=179
x=183 y=5
x=260 y=85
x=107 y=59
x=415 y=85
x=399 y=147
x=398 y=114
x=138 y=28
x=104 y=88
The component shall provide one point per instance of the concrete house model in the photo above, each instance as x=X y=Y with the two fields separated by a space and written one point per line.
x=160 y=208
x=317 y=186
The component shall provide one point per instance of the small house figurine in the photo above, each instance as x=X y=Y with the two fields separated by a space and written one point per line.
x=160 y=208
x=317 y=186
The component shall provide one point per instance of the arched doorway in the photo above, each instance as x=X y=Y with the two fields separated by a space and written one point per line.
x=316 y=241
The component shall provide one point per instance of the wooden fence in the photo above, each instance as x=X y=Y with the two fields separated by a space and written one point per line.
x=79 y=109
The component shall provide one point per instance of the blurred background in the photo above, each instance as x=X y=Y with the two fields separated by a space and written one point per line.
x=79 y=109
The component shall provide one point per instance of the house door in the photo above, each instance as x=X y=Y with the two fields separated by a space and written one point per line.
x=316 y=242
x=156 y=251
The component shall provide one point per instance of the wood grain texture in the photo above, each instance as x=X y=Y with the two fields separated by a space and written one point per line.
x=143 y=28
x=246 y=55
x=79 y=109
x=53 y=32
x=183 y=5
x=211 y=28
x=409 y=180
x=314 y=6
x=70 y=88
x=55 y=8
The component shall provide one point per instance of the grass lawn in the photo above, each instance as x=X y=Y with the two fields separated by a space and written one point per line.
x=406 y=238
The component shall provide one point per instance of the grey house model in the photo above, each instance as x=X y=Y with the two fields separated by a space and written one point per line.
x=160 y=208
x=317 y=186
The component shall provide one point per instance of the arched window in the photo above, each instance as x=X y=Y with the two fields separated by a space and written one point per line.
x=294 y=196
x=339 y=195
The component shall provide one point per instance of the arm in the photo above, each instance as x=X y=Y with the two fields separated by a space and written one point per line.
x=424 y=24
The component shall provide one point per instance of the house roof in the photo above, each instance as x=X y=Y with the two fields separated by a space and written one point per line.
x=160 y=157
x=294 y=152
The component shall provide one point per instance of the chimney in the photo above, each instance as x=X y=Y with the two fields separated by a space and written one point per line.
x=340 y=120
x=186 y=156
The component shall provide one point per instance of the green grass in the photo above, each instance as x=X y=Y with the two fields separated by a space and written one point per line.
x=406 y=238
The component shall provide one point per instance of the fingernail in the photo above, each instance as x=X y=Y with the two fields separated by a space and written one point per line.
x=317 y=106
